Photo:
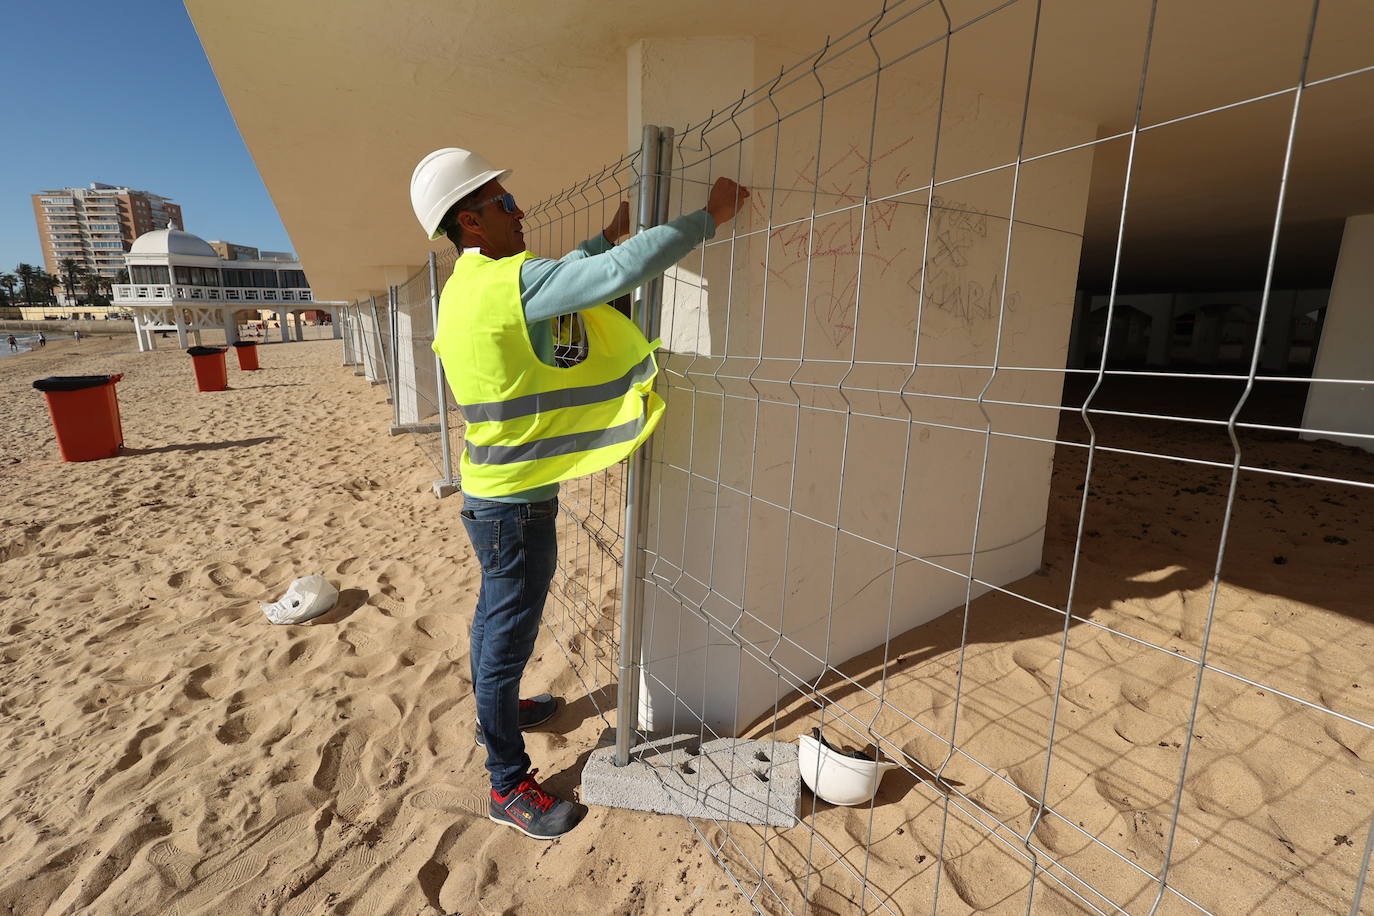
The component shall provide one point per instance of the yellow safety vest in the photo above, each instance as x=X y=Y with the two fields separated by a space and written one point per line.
x=530 y=424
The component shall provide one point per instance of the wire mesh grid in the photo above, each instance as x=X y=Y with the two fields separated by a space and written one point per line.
x=785 y=514
x=1148 y=695
x=586 y=592
x=416 y=376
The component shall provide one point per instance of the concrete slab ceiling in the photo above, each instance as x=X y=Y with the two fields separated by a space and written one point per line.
x=338 y=100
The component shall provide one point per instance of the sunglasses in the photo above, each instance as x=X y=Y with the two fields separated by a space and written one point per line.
x=507 y=203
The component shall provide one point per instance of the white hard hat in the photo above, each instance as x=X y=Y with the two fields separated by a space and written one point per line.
x=306 y=598
x=444 y=177
x=836 y=776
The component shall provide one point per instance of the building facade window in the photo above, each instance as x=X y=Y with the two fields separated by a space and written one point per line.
x=148 y=273
x=197 y=276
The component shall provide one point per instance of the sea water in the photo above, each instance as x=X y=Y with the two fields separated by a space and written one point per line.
x=27 y=341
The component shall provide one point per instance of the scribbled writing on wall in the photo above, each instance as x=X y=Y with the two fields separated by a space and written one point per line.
x=962 y=279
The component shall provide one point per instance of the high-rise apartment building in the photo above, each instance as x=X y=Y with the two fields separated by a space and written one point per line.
x=231 y=252
x=96 y=225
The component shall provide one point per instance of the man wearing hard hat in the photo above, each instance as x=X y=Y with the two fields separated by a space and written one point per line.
x=532 y=423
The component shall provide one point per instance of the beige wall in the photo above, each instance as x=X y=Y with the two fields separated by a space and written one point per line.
x=1345 y=349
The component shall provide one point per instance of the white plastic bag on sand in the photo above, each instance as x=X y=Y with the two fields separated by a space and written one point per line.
x=306 y=598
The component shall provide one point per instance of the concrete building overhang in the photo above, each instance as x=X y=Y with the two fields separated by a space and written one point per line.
x=544 y=89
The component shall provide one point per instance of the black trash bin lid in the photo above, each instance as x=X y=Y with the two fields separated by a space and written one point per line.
x=72 y=382
x=205 y=351
x=242 y=343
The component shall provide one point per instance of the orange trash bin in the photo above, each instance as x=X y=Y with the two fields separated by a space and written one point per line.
x=247 y=352
x=85 y=415
x=211 y=375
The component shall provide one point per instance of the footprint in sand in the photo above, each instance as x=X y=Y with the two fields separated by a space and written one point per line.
x=232 y=868
x=197 y=685
x=338 y=772
x=450 y=800
x=437 y=626
x=140 y=675
x=238 y=728
x=388 y=605
x=101 y=871
x=133 y=751
x=173 y=865
x=227 y=579
x=159 y=588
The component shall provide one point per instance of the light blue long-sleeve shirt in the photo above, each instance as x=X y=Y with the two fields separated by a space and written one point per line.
x=595 y=273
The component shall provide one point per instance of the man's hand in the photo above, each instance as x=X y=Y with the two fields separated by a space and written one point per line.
x=725 y=200
x=620 y=225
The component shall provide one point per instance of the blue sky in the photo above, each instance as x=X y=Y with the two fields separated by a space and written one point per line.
x=121 y=93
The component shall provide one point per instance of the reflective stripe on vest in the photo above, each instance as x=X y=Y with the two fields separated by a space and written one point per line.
x=545 y=401
x=530 y=424
x=555 y=445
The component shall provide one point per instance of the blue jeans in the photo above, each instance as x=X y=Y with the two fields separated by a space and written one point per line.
x=517 y=545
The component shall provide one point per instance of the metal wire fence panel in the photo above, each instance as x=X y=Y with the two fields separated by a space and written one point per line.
x=416 y=380
x=1072 y=562
x=585 y=597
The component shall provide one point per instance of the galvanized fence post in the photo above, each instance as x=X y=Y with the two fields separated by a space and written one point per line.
x=442 y=487
x=637 y=477
x=394 y=370
x=378 y=358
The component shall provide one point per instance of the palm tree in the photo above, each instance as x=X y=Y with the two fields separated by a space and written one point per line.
x=70 y=270
x=28 y=278
x=8 y=282
x=46 y=283
x=90 y=285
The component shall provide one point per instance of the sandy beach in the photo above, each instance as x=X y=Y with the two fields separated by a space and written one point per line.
x=164 y=749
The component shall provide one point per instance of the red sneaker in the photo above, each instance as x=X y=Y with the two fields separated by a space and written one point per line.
x=534 y=812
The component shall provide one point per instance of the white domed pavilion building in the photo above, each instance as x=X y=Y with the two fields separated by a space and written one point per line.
x=177 y=281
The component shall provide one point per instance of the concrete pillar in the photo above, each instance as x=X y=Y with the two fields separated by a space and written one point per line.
x=1078 y=331
x=281 y=321
x=300 y=328
x=414 y=358
x=230 y=320
x=139 y=333
x=179 y=317
x=370 y=328
x=1344 y=351
x=674 y=82
x=334 y=322
x=1277 y=334
x=678 y=81
x=1161 y=333
x=1207 y=320
x=355 y=334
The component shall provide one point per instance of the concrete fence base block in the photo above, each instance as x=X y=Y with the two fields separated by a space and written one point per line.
x=380 y=382
x=414 y=428
x=747 y=781
x=444 y=488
